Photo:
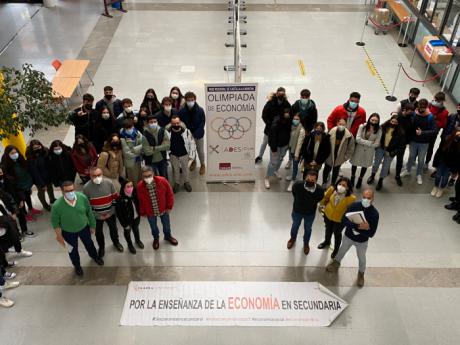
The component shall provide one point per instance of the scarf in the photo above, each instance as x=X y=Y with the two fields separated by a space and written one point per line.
x=153 y=198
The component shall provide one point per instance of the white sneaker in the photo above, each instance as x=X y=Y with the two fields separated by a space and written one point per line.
x=434 y=191
x=419 y=179
x=404 y=173
x=267 y=183
x=278 y=176
x=289 y=188
x=440 y=192
x=9 y=275
x=25 y=254
x=5 y=302
x=10 y=285
x=289 y=178
x=288 y=165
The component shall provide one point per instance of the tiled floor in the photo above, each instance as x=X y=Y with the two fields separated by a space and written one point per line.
x=239 y=232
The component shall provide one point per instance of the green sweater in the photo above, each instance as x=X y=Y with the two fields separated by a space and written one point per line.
x=72 y=218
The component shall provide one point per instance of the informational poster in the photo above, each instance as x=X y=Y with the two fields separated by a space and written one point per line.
x=230 y=304
x=231 y=111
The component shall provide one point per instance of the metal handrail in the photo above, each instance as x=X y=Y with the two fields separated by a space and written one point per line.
x=237 y=41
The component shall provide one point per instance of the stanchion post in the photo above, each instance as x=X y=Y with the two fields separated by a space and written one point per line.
x=403 y=44
x=361 y=43
x=447 y=76
x=392 y=98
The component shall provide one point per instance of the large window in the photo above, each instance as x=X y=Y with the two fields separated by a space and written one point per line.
x=450 y=31
x=435 y=12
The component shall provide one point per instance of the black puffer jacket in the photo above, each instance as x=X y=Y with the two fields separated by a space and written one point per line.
x=125 y=207
x=272 y=109
x=397 y=142
x=280 y=133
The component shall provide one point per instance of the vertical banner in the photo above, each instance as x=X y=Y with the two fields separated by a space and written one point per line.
x=231 y=111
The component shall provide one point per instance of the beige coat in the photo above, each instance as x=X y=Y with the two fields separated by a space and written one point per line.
x=365 y=148
x=346 y=148
x=111 y=164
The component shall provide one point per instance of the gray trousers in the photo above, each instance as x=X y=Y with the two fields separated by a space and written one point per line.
x=361 y=249
x=200 y=149
x=177 y=163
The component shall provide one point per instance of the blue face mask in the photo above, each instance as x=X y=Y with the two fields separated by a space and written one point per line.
x=366 y=202
x=295 y=122
x=353 y=105
x=153 y=125
x=70 y=196
x=130 y=131
x=14 y=156
x=304 y=101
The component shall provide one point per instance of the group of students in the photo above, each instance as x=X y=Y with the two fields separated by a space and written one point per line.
x=365 y=143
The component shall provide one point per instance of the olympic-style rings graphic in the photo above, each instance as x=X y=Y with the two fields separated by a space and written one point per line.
x=231 y=127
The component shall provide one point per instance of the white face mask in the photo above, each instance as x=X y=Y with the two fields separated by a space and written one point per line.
x=58 y=151
x=190 y=104
x=129 y=109
x=168 y=108
x=366 y=202
x=174 y=95
x=341 y=189
x=105 y=116
x=97 y=180
x=148 y=180
x=341 y=127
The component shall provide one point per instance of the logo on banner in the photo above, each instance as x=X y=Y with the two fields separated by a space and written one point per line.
x=213 y=149
x=225 y=166
x=231 y=127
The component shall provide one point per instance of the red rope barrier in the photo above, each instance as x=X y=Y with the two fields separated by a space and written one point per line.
x=385 y=27
x=429 y=79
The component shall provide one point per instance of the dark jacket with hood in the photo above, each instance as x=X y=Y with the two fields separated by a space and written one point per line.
x=280 y=133
x=194 y=119
x=61 y=167
x=307 y=112
x=272 y=109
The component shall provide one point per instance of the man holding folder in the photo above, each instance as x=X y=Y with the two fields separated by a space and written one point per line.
x=360 y=221
x=72 y=218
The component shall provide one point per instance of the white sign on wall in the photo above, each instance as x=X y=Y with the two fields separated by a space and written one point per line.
x=231 y=111
x=230 y=304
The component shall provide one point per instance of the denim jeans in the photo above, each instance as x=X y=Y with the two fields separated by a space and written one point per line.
x=381 y=155
x=361 y=249
x=154 y=227
x=276 y=158
x=160 y=168
x=442 y=176
x=417 y=150
x=72 y=239
x=295 y=166
x=263 y=146
x=307 y=224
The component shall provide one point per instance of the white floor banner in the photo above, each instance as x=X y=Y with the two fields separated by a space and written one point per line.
x=230 y=131
x=230 y=304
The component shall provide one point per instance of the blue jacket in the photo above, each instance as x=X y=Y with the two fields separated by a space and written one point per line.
x=428 y=126
x=194 y=119
x=450 y=126
x=372 y=217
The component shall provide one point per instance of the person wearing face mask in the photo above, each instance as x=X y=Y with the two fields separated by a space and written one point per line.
x=342 y=146
x=128 y=113
x=156 y=199
x=131 y=144
x=105 y=126
x=84 y=156
x=333 y=206
x=127 y=210
x=412 y=99
x=182 y=150
x=72 y=218
x=315 y=149
x=423 y=130
x=278 y=141
x=275 y=107
x=195 y=120
x=367 y=140
x=110 y=102
x=440 y=113
x=351 y=112
x=111 y=160
x=60 y=165
x=297 y=134
x=392 y=142
x=405 y=124
x=178 y=100
x=306 y=108
x=358 y=235
x=164 y=115
x=142 y=116
x=15 y=166
x=151 y=102
x=449 y=163
x=155 y=144
x=85 y=119
x=37 y=158
x=102 y=197
x=307 y=194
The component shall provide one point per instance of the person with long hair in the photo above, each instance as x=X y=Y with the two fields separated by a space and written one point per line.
x=177 y=97
x=15 y=165
x=60 y=164
x=151 y=101
x=106 y=125
x=84 y=156
x=37 y=159
x=111 y=160
x=333 y=206
x=127 y=210
x=367 y=140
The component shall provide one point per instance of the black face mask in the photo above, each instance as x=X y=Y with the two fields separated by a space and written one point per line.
x=309 y=184
x=176 y=128
x=392 y=125
x=458 y=112
x=115 y=144
x=375 y=126
x=108 y=97
x=412 y=99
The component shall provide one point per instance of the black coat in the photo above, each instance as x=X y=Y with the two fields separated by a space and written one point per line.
x=405 y=123
x=397 y=143
x=38 y=169
x=125 y=209
x=271 y=110
x=117 y=107
x=9 y=202
x=280 y=133
x=8 y=186
x=86 y=124
x=61 y=168
x=450 y=155
x=308 y=146
x=308 y=114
